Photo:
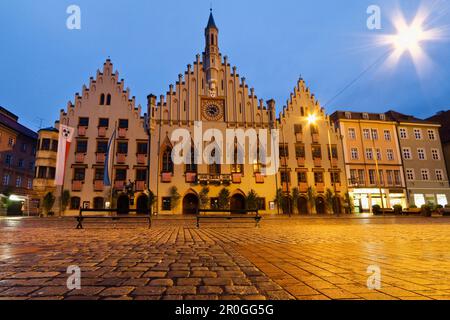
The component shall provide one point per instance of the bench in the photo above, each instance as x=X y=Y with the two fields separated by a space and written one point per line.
x=113 y=215
x=233 y=214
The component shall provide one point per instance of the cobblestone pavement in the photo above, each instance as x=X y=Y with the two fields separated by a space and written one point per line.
x=283 y=259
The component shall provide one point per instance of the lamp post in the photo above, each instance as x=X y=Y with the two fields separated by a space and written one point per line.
x=312 y=120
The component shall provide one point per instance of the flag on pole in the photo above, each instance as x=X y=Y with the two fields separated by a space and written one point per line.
x=109 y=161
x=65 y=139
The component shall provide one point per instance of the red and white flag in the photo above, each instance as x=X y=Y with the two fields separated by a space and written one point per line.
x=65 y=139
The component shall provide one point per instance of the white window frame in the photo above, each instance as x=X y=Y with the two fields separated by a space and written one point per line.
x=421 y=154
x=439 y=174
x=424 y=172
x=369 y=154
x=351 y=133
x=354 y=153
x=432 y=134
x=410 y=175
x=366 y=134
x=390 y=154
x=387 y=135
x=435 y=154
x=418 y=134
x=409 y=153
x=403 y=133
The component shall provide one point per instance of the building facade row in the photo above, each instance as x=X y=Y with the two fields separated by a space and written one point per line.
x=321 y=158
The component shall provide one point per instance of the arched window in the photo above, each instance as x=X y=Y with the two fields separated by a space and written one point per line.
x=236 y=167
x=99 y=203
x=214 y=169
x=167 y=164
x=102 y=99
x=108 y=100
x=212 y=39
x=75 y=203
x=192 y=167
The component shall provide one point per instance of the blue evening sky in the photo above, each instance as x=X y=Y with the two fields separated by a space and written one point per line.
x=272 y=43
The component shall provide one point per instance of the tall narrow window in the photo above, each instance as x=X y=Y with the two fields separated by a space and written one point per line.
x=102 y=99
x=108 y=100
x=167 y=164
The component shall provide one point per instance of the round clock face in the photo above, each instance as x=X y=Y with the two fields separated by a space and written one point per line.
x=212 y=112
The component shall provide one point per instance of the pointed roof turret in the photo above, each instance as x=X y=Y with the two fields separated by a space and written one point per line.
x=211 y=22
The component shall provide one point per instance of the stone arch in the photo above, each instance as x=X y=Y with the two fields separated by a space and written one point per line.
x=238 y=200
x=302 y=205
x=142 y=203
x=320 y=205
x=123 y=204
x=191 y=202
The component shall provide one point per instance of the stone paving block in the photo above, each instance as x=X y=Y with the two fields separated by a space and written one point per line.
x=181 y=290
x=116 y=291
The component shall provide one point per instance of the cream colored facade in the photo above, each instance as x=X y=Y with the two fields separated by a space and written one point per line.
x=210 y=93
x=103 y=107
x=373 y=160
x=45 y=169
x=423 y=160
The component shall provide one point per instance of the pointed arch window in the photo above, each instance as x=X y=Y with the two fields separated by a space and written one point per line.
x=102 y=99
x=192 y=166
x=236 y=167
x=167 y=163
x=108 y=100
x=214 y=169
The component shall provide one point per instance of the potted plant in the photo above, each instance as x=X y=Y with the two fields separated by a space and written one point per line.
x=174 y=198
x=295 y=197
x=311 y=198
x=329 y=201
x=252 y=200
x=376 y=209
x=398 y=210
x=204 y=198
x=151 y=201
x=47 y=204
x=224 y=199
x=427 y=210
x=348 y=203
x=65 y=200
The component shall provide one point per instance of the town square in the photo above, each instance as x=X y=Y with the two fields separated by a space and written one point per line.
x=187 y=153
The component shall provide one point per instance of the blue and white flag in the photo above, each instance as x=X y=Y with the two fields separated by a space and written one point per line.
x=109 y=161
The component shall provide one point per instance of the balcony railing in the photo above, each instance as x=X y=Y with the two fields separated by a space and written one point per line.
x=303 y=187
x=102 y=132
x=122 y=133
x=79 y=157
x=82 y=131
x=100 y=157
x=141 y=158
x=283 y=161
x=121 y=158
x=166 y=177
x=301 y=162
x=217 y=179
x=259 y=178
x=98 y=185
x=140 y=185
x=236 y=178
x=315 y=138
x=317 y=162
x=299 y=137
x=119 y=184
x=77 y=185
x=320 y=187
x=191 y=177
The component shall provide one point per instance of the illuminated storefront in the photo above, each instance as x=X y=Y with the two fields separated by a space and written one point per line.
x=365 y=199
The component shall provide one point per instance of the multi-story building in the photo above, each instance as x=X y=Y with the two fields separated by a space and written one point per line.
x=45 y=168
x=311 y=154
x=17 y=158
x=443 y=118
x=211 y=95
x=423 y=160
x=102 y=108
x=373 y=161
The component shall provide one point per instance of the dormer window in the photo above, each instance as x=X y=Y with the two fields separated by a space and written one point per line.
x=348 y=115
x=382 y=117
x=365 y=116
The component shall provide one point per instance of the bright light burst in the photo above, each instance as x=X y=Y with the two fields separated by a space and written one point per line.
x=411 y=38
